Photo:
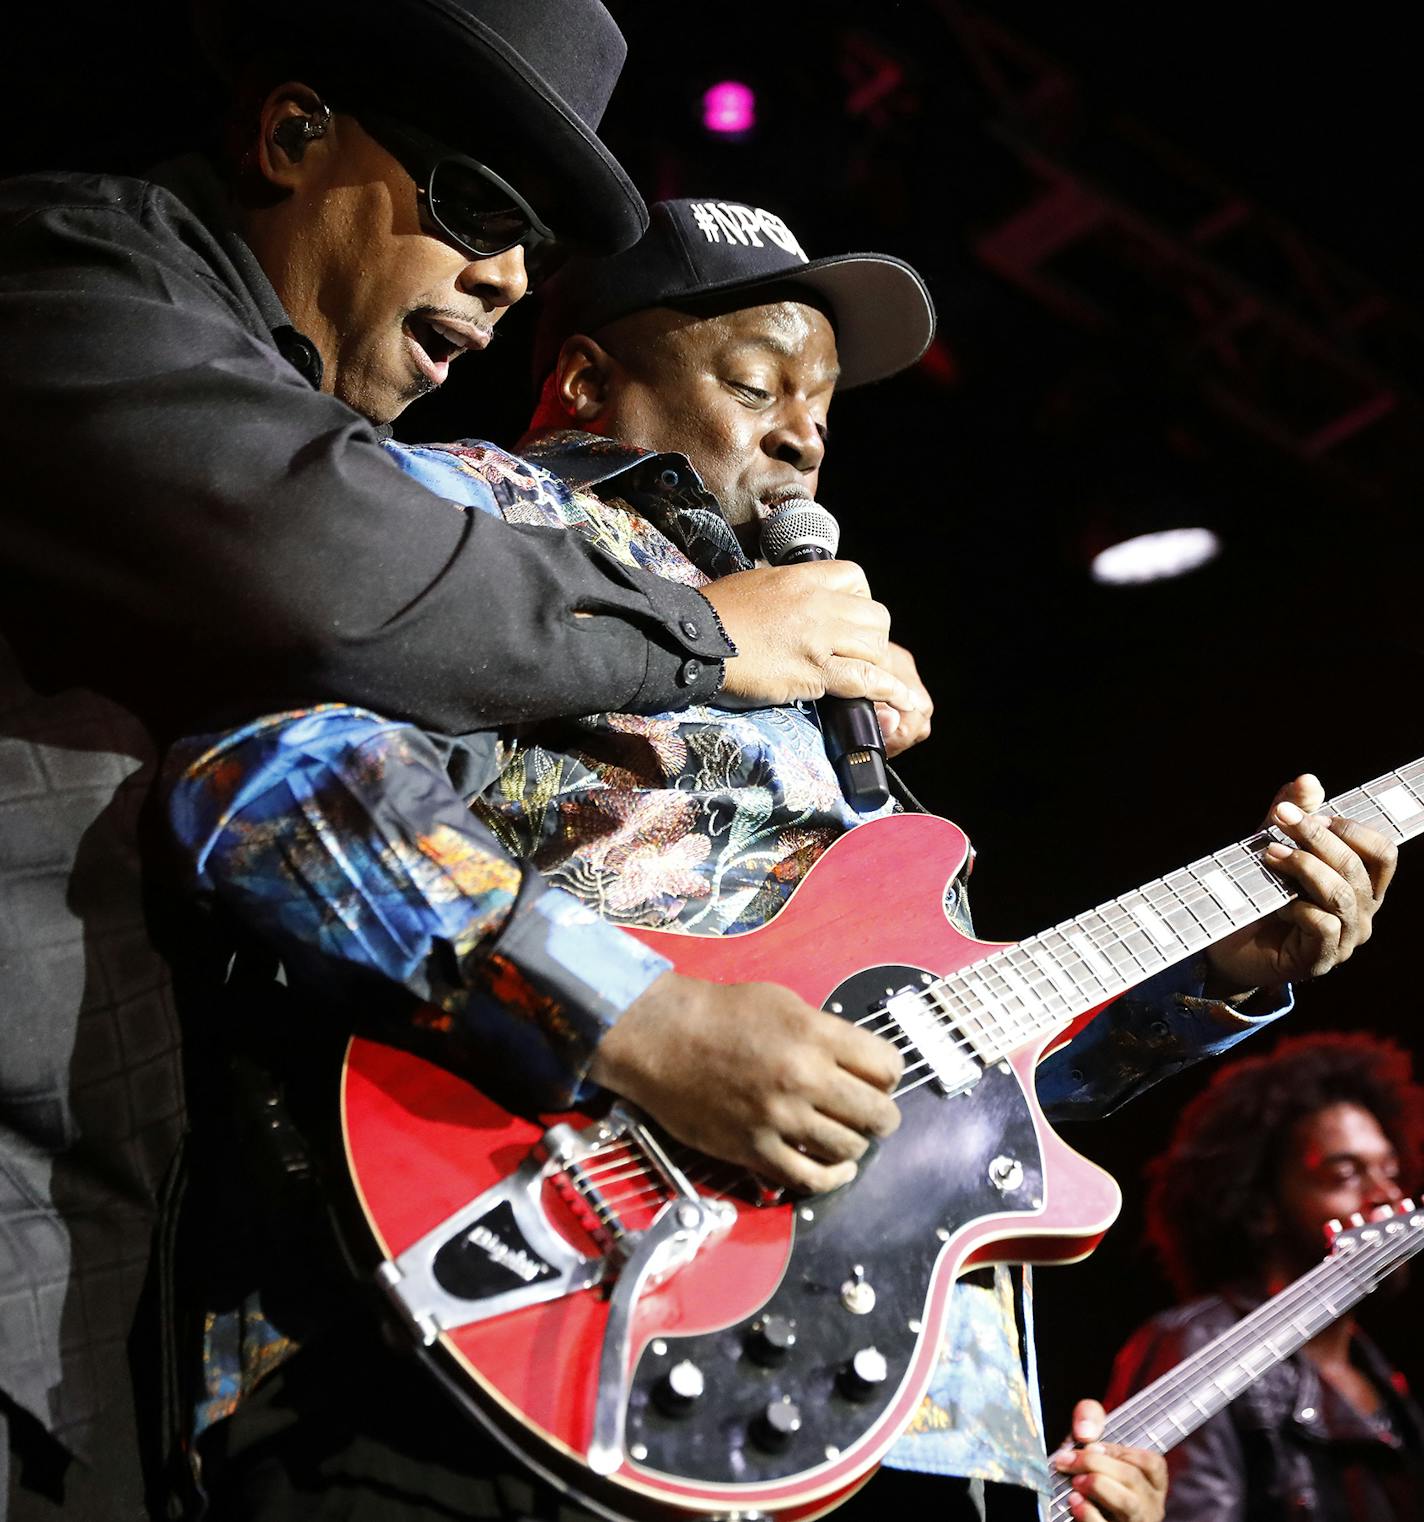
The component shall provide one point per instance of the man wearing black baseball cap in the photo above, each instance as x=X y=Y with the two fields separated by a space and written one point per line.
x=202 y=523
x=717 y=338
x=701 y=372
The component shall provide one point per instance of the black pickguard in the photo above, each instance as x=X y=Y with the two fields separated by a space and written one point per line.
x=933 y=1175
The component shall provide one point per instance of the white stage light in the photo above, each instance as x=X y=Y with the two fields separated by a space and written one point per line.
x=1155 y=557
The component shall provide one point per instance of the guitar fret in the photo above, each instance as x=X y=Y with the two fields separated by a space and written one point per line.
x=1017 y=957
x=1067 y=986
x=1152 y=960
x=1060 y=947
x=1399 y=803
x=1360 y=806
x=1214 y=1375
x=1009 y=988
x=976 y=1025
x=1405 y=781
x=1224 y=892
x=1001 y=1026
x=1021 y=988
x=1392 y=804
x=1155 y=926
x=1042 y=983
x=1093 y=928
x=1045 y=1007
x=1179 y=917
x=1246 y=864
x=1260 y=885
x=1203 y=908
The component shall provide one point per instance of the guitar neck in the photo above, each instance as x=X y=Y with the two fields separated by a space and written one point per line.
x=1039 y=985
x=1174 y=1405
x=1161 y=1414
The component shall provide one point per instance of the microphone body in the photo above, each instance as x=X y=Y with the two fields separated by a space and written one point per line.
x=801 y=530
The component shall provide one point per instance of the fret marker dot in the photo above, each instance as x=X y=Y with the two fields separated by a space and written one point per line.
x=1399 y=803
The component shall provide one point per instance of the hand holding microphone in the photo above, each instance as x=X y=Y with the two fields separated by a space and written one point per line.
x=810 y=629
x=800 y=531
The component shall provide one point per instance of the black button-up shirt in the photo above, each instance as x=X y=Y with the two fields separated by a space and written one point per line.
x=193 y=528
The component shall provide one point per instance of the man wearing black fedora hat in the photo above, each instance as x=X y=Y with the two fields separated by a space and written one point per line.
x=688 y=387
x=202 y=523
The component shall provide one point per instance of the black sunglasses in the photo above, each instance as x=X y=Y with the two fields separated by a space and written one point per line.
x=468 y=203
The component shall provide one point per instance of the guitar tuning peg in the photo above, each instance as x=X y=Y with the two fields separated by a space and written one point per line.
x=1407 y=1207
x=1357 y=1218
x=1383 y=1212
x=1333 y=1230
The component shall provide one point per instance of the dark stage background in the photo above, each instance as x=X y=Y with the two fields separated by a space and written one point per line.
x=1211 y=314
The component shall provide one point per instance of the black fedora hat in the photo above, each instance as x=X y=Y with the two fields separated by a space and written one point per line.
x=704 y=252
x=542 y=70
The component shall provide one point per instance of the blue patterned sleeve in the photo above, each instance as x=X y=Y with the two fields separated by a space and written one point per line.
x=1163 y=1025
x=339 y=838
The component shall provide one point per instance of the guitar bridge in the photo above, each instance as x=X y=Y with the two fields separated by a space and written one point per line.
x=501 y=1252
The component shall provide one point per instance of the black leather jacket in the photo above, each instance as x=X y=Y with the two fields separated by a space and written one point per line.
x=1290 y=1449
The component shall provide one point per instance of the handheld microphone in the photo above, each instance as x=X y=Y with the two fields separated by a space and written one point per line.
x=803 y=530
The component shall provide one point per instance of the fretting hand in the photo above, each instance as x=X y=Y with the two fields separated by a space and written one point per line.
x=1341 y=871
x=1111 y=1483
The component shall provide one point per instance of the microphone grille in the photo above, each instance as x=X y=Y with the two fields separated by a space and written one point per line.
x=795 y=523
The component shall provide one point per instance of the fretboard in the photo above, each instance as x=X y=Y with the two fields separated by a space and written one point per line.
x=1042 y=983
x=1172 y=1407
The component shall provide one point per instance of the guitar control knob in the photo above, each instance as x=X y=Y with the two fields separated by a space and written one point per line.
x=864 y=1374
x=774 y=1429
x=857 y=1293
x=772 y=1338
x=679 y=1389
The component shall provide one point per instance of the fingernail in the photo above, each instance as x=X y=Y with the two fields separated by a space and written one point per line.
x=1276 y=851
x=1288 y=813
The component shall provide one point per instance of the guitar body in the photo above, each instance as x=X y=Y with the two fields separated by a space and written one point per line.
x=972 y=1176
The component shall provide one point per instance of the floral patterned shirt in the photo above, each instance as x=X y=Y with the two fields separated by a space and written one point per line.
x=343 y=837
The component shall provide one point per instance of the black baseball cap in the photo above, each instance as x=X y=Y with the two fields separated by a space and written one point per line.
x=883 y=315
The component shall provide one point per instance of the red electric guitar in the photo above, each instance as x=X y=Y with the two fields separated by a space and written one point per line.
x=660 y=1335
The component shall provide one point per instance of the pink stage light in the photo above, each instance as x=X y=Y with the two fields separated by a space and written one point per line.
x=729 y=108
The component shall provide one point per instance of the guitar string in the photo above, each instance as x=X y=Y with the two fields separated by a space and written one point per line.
x=1110 y=915
x=1357 y=1273
x=1189 y=896
x=1137 y=1428
x=1039 y=982
x=598 y=1173
x=946 y=1020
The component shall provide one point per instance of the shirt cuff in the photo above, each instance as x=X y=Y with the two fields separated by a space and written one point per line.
x=687 y=667
x=1154 y=1030
x=573 y=974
